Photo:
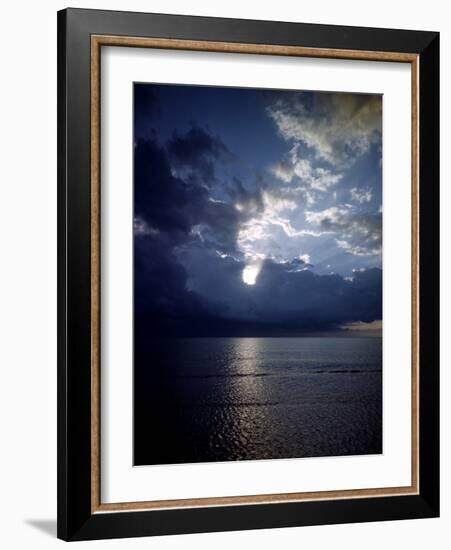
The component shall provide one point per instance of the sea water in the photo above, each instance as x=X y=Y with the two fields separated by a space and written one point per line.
x=219 y=399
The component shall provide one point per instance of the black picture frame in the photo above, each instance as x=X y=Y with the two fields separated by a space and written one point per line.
x=76 y=520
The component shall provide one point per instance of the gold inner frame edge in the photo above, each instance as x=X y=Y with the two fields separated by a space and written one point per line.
x=97 y=41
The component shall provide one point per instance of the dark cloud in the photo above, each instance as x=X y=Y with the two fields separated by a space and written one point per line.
x=160 y=288
x=194 y=291
x=287 y=297
x=250 y=200
x=358 y=234
x=182 y=207
x=172 y=215
x=196 y=152
x=163 y=201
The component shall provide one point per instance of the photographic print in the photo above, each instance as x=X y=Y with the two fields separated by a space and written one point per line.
x=257 y=274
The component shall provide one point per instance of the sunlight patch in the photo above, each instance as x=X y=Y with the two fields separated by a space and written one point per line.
x=250 y=273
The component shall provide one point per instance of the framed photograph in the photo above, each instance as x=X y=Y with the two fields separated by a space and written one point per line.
x=248 y=274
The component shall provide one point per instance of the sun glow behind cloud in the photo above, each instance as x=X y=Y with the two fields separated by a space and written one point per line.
x=251 y=272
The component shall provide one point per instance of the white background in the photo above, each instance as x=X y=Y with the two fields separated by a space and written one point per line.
x=122 y=483
x=28 y=273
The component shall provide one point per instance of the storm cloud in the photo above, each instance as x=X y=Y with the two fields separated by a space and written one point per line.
x=204 y=212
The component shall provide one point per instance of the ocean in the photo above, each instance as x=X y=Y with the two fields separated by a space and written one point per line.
x=220 y=399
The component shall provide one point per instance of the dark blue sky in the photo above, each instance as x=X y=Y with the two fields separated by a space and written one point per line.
x=256 y=211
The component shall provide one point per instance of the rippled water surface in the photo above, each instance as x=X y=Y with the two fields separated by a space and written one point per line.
x=217 y=399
